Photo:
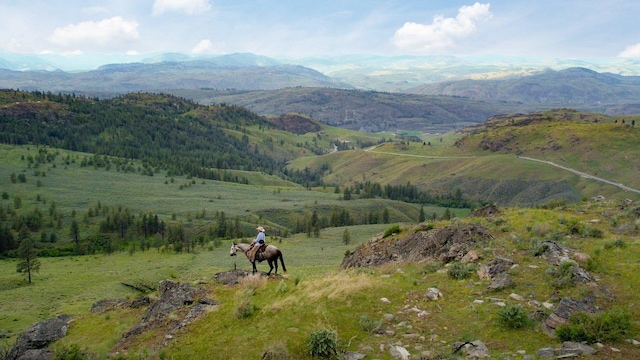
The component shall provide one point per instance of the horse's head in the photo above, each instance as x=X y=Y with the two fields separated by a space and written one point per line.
x=234 y=249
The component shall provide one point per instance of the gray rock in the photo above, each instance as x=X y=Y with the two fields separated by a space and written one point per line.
x=500 y=282
x=353 y=356
x=546 y=352
x=39 y=335
x=38 y=354
x=398 y=352
x=564 y=310
x=570 y=347
x=433 y=294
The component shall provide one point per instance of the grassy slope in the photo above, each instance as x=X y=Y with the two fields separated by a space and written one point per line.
x=604 y=149
x=315 y=294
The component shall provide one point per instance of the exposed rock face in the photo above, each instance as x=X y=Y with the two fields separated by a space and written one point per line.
x=446 y=244
x=174 y=310
x=488 y=211
x=563 y=312
x=555 y=253
x=32 y=343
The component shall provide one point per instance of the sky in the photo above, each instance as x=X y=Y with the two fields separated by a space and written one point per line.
x=298 y=29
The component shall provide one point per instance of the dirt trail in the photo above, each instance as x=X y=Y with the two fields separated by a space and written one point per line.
x=580 y=173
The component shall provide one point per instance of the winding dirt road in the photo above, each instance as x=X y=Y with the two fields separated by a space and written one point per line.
x=579 y=173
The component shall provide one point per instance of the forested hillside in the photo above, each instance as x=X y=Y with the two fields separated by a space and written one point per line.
x=165 y=132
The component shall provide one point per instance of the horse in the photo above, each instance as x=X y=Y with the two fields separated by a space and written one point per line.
x=270 y=253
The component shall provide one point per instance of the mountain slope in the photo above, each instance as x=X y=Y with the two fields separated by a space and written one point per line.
x=570 y=87
x=361 y=110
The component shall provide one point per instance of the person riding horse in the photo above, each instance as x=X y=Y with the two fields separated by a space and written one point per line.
x=257 y=243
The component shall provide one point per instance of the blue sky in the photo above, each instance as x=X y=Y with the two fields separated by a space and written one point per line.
x=296 y=29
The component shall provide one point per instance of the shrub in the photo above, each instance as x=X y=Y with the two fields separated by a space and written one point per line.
x=540 y=229
x=245 y=309
x=276 y=352
x=460 y=271
x=393 y=229
x=368 y=324
x=323 y=344
x=431 y=267
x=513 y=317
x=594 y=232
x=609 y=326
x=619 y=243
x=72 y=352
x=562 y=276
x=540 y=249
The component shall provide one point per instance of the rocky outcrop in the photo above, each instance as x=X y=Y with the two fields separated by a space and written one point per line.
x=178 y=305
x=563 y=312
x=446 y=244
x=32 y=344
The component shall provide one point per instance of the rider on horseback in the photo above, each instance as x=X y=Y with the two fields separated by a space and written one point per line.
x=257 y=243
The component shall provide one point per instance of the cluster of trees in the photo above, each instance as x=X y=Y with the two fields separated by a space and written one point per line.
x=408 y=193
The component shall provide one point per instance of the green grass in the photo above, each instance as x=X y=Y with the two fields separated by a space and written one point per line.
x=316 y=295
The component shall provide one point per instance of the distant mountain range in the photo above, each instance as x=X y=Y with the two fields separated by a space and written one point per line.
x=242 y=73
x=570 y=87
x=427 y=93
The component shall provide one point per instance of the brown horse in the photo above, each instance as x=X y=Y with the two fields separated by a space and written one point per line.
x=270 y=253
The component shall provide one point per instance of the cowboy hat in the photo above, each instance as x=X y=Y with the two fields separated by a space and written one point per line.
x=260 y=228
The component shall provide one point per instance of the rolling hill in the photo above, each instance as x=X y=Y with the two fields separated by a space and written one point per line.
x=368 y=111
x=489 y=162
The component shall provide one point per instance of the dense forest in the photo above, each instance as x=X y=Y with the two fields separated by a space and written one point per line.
x=164 y=131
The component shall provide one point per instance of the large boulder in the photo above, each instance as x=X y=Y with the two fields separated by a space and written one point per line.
x=450 y=243
x=38 y=336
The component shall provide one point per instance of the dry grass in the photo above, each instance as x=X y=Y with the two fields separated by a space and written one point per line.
x=337 y=286
x=253 y=282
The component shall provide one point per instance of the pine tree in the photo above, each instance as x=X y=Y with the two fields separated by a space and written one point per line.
x=27 y=252
x=346 y=237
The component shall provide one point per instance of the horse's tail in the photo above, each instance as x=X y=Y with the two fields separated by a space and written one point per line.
x=281 y=261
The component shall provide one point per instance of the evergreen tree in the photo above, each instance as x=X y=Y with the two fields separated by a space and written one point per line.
x=421 y=217
x=346 y=237
x=74 y=232
x=385 y=216
x=27 y=253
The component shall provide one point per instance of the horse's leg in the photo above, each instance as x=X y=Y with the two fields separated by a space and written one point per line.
x=255 y=269
x=270 y=266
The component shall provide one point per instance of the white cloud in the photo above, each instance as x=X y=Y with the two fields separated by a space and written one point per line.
x=442 y=33
x=203 y=47
x=631 y=51
x=190 y=7
x=113 y=32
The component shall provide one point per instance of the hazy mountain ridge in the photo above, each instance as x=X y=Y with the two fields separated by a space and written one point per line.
x=369 y=111
x=573 y=86
x=124 y=78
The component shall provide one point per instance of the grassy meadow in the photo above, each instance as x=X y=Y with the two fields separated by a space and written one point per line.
x=315 y=294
